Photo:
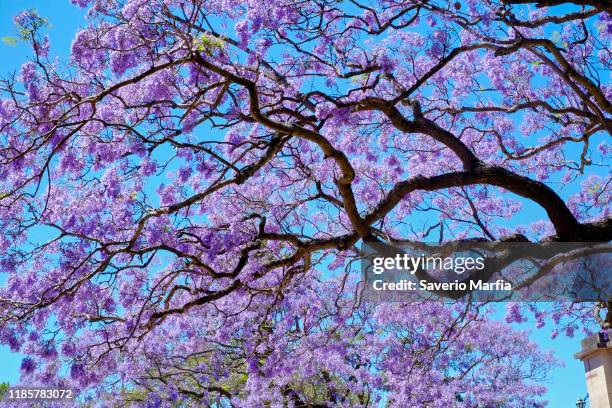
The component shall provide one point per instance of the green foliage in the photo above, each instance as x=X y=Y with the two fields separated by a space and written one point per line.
x=3 y=389
x=208 y=44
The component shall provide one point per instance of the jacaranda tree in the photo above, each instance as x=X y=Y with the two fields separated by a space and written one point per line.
x=182 y=201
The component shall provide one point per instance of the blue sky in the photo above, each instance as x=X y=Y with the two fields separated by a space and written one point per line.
x=567 y=383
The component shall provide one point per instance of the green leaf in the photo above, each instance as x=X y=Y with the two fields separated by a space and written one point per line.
x=595 y=188
x=12 y=41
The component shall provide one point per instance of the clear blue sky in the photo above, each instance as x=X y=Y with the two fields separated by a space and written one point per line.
x=567 y=383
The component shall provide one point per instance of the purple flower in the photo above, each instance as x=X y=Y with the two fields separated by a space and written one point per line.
x=27 y=365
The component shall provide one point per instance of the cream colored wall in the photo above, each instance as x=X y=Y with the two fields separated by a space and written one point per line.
x=598 y=371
